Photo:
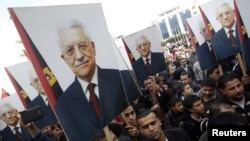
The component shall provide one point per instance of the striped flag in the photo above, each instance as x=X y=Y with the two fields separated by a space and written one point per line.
x=130 y=54
x=207 y=23
x=243 y=37
x=23 y=96
x=46 y=76
x=192 y=36
x=4 y=93
x=242 y=29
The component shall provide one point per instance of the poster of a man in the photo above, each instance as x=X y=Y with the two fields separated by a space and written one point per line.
x=25 y=75
x=221 y=16
x=146 y=47
x=9 y=114
x=204 y=50
x=80 y=52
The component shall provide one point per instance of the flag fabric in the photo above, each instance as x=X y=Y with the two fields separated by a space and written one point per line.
x=46 y=76
x=242 y=29
x=4 y=93
x=192 y=36
x=243 y=37
x=207 y=23
x=23 y=96
x=129 y=53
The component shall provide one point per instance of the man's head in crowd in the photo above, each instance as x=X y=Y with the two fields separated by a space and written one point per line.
x=149 y=124
x=185 y=77
x=213 y=73
x=207 y=87
x=149 y=83
x=232 y=86
x=194 y=104
x=130 y=116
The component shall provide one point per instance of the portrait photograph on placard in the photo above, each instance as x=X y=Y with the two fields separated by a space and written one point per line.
x=93 y=81
x=220 y=19
x=27 y=81
x=203 y=47
x=11 y=106
x=146 y=48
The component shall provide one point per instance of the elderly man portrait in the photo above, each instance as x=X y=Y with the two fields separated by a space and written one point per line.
x=226 y=41
x=97 y=95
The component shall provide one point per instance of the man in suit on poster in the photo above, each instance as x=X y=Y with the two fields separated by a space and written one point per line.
x=205 y=51
x=156 y=60
x=13 y=130
x=226 y=41
x=42 y=100
x=80 y=119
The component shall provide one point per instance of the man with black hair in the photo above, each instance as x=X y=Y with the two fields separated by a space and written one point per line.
x=194 y=110
x=150 y=125
x=208 y=93
x=174 y=117
x=234 y=94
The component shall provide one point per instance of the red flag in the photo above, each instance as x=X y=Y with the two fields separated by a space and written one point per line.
x=192 y=36
x=208 y=24
x=23 y=96
x=46 y=76
x=130 y=54
x=242 y=29
x=4 y=93
x=243 y=38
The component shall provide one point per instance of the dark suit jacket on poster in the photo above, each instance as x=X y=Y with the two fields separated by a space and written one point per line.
x=8 y=135
x=49 y=116
x=222 y=46
x=157 y=65
x=246 y=53
x=205 y=56
x=76 y=114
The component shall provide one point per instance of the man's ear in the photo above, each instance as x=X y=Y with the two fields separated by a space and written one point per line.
x=222 y=91
x=62 y=56
x=190 y=110
x=140 y=130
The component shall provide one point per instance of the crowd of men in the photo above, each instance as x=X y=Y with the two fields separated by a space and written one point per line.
x=176 y=99
x=179 y=102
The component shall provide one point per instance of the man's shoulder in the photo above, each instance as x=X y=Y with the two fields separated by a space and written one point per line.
x=6 y=130
x=177 y=133
x=138 y=61
x=157 y=54
x=37 y=100
x=108 y=70
x=218 y=33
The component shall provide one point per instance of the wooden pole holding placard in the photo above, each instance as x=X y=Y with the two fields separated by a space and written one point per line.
x=220 y=69
x=107 y=133
x=240 y=61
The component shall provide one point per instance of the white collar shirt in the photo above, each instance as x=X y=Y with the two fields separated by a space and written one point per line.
x=84 y=85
